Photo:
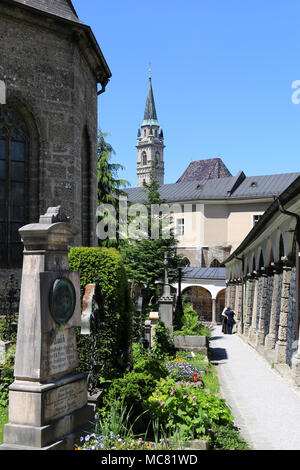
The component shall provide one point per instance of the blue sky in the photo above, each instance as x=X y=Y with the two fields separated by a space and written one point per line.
x=222 y=74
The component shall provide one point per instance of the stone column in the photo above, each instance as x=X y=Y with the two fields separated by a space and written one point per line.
x=252 y=328
x=239 y=306
x=232 y=295
x=281 y=344
x=227 y=293
x=214 y=312
x=271 y=336
x=249 y=305
x=260 y=335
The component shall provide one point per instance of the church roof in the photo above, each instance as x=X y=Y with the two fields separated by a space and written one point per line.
x=205 y=169
x=203 y=273
x=229 y=188
x=61 y=8
x=150 y=116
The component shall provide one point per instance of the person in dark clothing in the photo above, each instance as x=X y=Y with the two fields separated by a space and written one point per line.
x=224 y=322
x=229 y=315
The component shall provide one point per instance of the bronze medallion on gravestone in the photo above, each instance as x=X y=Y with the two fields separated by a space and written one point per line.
x=62 y=300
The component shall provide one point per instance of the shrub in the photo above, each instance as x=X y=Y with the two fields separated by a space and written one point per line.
x=191 y=324
x=112 y=340
x=226 y=438
x=163 y=345
x=151 y=366
x=7 y=375
x=133 y=391
x=189 y=409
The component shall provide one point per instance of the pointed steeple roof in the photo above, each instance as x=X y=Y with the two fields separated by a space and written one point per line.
x=150 y=116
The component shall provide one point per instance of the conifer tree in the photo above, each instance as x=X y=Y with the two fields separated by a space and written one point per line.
x=144 y=259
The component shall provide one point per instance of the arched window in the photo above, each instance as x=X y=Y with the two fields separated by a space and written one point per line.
x=144 y=158
x=157 y=157
x=14 y=148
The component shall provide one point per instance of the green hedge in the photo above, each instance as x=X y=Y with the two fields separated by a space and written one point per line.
x=105 y=267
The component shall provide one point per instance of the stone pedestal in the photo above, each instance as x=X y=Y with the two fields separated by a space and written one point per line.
x=48 y=399
x=165 y=311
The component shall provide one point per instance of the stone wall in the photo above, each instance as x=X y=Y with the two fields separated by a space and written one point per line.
x=270 y=313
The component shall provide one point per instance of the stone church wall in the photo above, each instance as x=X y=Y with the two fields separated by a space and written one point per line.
x=49 y=81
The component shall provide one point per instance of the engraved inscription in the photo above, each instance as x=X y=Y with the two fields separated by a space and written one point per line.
x=61 y=353
x=64 y=400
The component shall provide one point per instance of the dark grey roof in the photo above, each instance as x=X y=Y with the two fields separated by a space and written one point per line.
x=203 y=273
x=230 y=188
x=291 y=191
x=61 y=8
x=209 y=168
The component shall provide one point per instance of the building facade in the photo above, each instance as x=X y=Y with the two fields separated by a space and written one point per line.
x=51 y=72
x=263 y=283
x=212 y=212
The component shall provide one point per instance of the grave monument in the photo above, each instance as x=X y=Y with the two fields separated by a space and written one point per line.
x=48 y=399
x=166 y=301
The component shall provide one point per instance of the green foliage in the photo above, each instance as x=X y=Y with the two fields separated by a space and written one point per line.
x=189 y=409
x=3 y=420
x=7 y=375
x=109 y=186
x=104 y=266
x=151 y=366
x=191 y=324
x=144 y=258
x=226 y=438
x=163 y=345
x=133 y=390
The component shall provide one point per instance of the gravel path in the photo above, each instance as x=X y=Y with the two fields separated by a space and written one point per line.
x=265 y=406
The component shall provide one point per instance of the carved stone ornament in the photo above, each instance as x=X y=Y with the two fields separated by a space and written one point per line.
x=53 y=215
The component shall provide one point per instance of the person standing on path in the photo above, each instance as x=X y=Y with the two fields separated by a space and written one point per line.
x=229 y=315
x=224 y=322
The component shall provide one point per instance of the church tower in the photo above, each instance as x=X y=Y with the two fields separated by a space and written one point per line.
x=150 y=143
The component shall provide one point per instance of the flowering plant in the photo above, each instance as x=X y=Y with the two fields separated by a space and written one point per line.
x=183 y=371
x=103 y=442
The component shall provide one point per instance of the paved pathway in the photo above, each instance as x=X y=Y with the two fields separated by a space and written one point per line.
x=265 y=406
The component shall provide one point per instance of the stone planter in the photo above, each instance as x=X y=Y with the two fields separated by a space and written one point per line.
x=192 y=343
x=197 y=444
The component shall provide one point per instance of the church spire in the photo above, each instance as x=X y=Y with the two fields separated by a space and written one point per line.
x=150 y=143
x=150 y=116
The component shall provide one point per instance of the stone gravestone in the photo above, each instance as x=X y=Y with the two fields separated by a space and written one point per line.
x=166 y=301
x=48 y=398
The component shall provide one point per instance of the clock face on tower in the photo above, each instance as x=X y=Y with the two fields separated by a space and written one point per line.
x=62 y=300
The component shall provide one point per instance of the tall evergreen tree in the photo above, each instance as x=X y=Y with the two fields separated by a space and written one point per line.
x=144 y=259
x=110 y=186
